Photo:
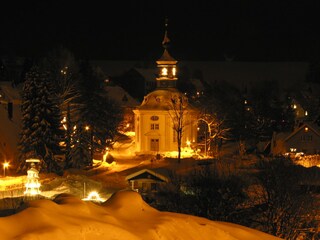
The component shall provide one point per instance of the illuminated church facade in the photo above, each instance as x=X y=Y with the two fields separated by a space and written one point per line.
x=156 y=118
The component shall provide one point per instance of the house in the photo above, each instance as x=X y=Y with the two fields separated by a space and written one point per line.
x=305 y=138
x=10 y=120
x=146 y=181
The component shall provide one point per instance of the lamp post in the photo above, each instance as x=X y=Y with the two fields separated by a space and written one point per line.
x=5 y=166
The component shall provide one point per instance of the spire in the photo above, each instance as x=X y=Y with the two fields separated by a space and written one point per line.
x=166 y=40
x=165 y=43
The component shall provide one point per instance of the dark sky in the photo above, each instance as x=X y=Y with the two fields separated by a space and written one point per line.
x=257 y=30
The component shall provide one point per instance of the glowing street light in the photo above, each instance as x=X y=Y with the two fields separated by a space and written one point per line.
x=5 y=166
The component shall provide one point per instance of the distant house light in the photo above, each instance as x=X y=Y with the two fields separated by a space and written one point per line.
x=306 y=129
x=245 y=102
x=293 y=149
x=294 y=106
x=306 y=113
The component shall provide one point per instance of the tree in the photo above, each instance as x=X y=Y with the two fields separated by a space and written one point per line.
x=224 y=101
x=64 y=71
x=215 y=132
x=41 y=133
x=282 y=207
x=98 y=117
x=177 y=111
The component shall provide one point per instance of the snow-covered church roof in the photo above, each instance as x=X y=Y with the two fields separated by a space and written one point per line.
x=161 y=99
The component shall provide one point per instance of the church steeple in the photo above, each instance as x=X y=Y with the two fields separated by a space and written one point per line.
x=167 y=71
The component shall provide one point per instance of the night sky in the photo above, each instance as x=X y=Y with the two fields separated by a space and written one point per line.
x=273 y=30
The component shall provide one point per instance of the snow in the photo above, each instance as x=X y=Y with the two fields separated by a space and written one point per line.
x=65 y=211
x=124 y=216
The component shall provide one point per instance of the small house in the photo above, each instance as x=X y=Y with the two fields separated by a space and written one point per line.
x=305 y=138
x=146 y=181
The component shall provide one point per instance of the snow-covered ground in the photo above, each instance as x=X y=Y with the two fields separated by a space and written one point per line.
x=125 y=216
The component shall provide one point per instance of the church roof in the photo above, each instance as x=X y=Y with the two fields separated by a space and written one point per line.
x=160 y=99
x=166 y=58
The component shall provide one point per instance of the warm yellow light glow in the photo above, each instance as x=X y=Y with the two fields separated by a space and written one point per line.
x=306 y=129
x=128 y=125
x=293 y=149
x=93 y=196
x=294 y=106
x=5 y=166
x=164 y=71
x=87 y=128
x=174 y=71
x=32 y=185
x=306 y=113
x=188 y=143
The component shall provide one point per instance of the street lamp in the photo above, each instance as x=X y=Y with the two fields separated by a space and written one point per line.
x=5 y=165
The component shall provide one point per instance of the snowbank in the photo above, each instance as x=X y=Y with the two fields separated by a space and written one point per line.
x=125 y=216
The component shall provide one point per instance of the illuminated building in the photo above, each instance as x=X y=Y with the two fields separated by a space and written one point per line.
x=155 y=117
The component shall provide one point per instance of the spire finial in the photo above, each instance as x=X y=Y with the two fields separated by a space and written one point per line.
x=166 y=40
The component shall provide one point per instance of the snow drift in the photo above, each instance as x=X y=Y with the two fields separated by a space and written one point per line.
x=124 y=216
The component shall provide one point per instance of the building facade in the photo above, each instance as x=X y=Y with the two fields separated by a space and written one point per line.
x=165 y=112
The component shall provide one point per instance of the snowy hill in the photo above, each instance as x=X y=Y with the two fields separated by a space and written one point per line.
x=125 y=216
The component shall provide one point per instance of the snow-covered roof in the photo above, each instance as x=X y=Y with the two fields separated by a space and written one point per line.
x=148 y=171
x=160 y=99
x=119 y=95
x=311 y=126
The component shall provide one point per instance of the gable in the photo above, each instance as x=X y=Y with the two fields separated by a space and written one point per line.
x=312 y=129
x=147 y=174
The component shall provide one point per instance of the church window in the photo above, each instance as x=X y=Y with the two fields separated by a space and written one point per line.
x=164 y=71
x=154 y=126
x=154 y=118
x=173 y=71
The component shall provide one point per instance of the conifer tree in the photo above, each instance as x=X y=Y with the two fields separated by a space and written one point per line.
x=41 y=133
x=97 y=120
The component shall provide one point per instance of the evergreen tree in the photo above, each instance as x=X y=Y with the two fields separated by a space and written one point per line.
x=64 y=71
x=41 y=133
x=98 y=118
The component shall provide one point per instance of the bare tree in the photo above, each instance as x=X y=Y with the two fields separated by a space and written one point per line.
x=281 y=205
x=215 y=132
x=177 y=112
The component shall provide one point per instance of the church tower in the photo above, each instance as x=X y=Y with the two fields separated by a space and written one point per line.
x=154 y=125
x=167 y=70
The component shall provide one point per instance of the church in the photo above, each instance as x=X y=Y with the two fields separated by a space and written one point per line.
x=165 y=117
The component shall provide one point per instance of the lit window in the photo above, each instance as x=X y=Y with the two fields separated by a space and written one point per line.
x=173 y=71
x=306 y=129
x=164 y=71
